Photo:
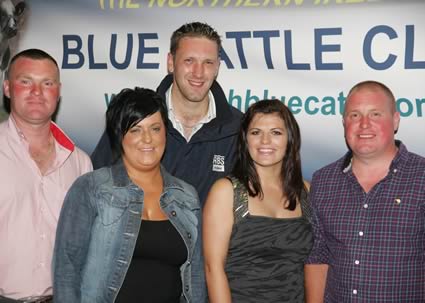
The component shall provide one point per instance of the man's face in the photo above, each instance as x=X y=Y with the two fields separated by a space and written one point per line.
x=33 y=88
x=370 y=123
x=195 y=67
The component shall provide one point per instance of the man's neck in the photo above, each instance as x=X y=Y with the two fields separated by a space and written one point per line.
x=187 y=112
x=35 y=134
x=369 y=171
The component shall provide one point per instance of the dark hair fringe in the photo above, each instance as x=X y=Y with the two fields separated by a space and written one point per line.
x=128 y=108
x=291 y=175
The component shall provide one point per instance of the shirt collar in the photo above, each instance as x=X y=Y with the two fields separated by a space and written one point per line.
x=399 y=158
x=58 y=134
x=211 y=113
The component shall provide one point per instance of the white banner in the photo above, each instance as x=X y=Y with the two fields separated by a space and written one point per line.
x=306 y=53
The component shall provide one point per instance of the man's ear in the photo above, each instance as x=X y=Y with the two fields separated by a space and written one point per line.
x=170 y=63
x=6 y=90
x=396 y=121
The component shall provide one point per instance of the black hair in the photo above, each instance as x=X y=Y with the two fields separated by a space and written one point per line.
x=128 y=108
x=31 y=53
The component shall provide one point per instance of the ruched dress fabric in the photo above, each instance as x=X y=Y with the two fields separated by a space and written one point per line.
x=265 y=261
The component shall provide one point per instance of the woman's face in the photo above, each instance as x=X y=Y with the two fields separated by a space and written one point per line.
x=144 y=144
x=267 y=138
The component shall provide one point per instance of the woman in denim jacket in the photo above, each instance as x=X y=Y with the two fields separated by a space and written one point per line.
x=131 y=232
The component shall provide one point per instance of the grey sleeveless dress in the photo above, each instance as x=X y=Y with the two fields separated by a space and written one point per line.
x=265 y=261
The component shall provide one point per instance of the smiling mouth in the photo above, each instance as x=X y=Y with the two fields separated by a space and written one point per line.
x=265 y=150
x=366 y=136
x=196 y=83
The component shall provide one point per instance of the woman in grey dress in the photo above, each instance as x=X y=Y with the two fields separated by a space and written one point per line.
x=256 y=226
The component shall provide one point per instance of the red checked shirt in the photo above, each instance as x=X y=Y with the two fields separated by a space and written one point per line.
x=373 y=242
x=29 y=209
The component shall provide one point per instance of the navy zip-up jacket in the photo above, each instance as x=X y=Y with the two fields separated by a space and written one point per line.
x=208 y=156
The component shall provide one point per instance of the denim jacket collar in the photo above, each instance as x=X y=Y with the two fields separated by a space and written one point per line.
x=120 y=178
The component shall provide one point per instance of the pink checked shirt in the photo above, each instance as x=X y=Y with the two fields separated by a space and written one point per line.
x=30 y=204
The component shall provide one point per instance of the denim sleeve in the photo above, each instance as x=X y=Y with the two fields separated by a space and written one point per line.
x=72 y=241
x=319 y=253
x=198 y=273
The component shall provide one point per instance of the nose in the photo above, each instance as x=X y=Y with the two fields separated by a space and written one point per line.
x=146 y=136
x=36 y=89
x=364 y=122
x=198 y=70
x=265 y=138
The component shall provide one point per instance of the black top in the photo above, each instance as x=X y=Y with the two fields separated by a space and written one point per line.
x=265 y=261
x=154 y=272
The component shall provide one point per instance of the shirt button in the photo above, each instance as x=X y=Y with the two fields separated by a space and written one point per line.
x=43 y=236
x=357 y=262
x=187 y=287
x=360 y=233
x=189 y=235
x=365 y=206
x=42 y=264
x=173 y=213
x=354 y=291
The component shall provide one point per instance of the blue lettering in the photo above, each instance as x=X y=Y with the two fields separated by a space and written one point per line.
x=419 y=104
x=367 y=47
x=146 y=50
x=92 y=64
x=408 y=105
x=112 y=52
x=341 y=99
x=266 y=35
x=320 y=48
x=328 y=109
x=295 y=104
x=307 y=105
x=239 y=36
x=235 y=97
x=250 y=99
x=410 y=42
x=288 y=54
x=68 y=51
x=224 y=57
x=108 y=98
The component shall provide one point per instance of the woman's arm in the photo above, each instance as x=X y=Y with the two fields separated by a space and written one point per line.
x=72 y=242
x=217 y=228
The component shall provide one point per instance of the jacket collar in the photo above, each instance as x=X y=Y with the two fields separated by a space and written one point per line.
x=222 y=107
x=120 y=177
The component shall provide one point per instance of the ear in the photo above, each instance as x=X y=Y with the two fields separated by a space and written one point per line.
x=6 y=90
x=396 y=121
x=170 y=63
x=218 y=69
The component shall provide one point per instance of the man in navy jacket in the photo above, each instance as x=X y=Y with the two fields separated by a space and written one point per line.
x=202 y=133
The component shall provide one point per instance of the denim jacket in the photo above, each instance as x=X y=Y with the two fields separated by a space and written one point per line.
x=98 y=229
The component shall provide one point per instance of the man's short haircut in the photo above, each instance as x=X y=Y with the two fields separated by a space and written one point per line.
x=31 y=53
x=194 y=30
x=371 y=85
x=126 y=110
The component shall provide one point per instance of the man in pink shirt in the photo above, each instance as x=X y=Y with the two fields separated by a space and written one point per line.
x=38 y=164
